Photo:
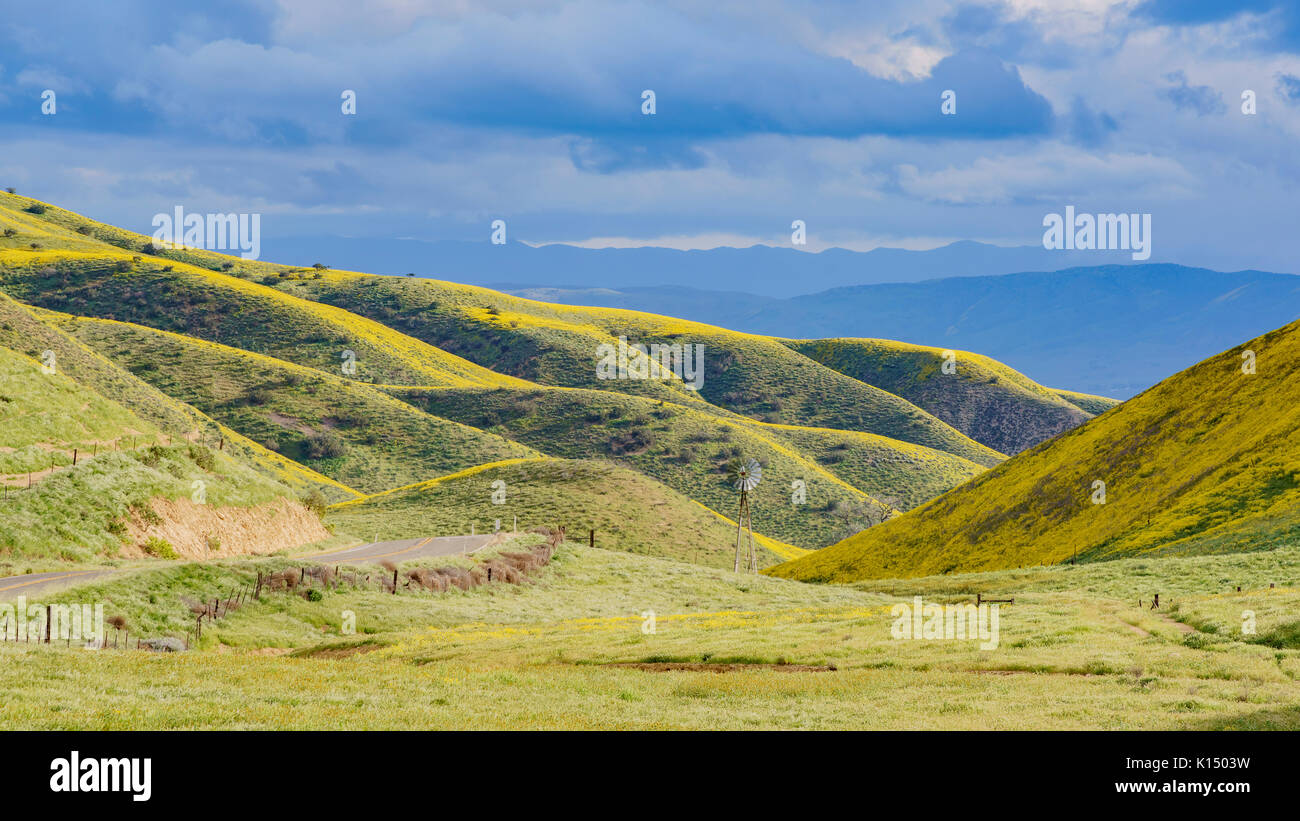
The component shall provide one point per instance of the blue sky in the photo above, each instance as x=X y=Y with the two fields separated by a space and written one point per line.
x=766 y=112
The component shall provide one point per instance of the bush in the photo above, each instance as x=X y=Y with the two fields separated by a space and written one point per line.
x=146 y=513
x=203 y=457
x=35 y=208
x=324 y=445
x=259 y=396
x=315 y=502
x=314 y=595
x=9 y=232
x=160 y=548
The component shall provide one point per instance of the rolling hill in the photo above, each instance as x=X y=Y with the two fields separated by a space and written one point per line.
x=625 y=508
x=84 y=477
x=448 y=378
x=347 y=430
x=982 y=398
x=753 y=376
x=1206 y=461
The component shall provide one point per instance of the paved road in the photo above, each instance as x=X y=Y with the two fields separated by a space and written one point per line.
x=398 y=551
x=14 y=586
x=403 y=549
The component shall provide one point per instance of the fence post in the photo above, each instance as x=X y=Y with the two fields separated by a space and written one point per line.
x=49 y=621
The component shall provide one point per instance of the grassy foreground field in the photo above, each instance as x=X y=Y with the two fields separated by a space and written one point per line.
x=568 y=650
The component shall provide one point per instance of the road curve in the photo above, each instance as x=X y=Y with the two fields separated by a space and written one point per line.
x=402 y=550
x=14 y=586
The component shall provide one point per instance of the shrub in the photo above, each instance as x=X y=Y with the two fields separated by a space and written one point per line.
x=160 y=548
x=259 y=396
x=153 y=456
x=9 y=232
x=315 y=502
x=324 y=445
x=121 y=266
x=35 y=208
x=203 y=457
x=314 y=595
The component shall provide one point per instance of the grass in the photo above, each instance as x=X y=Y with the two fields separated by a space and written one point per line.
x=552 y=653
x=45 y=417
x=79 y=514
x=1204 y=462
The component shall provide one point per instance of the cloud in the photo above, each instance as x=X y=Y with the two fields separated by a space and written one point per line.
x=1272 y=24
x=767 y=111
x=1087 y=127
x=1288 y=87
x=1201 y=99
x=1050 y=175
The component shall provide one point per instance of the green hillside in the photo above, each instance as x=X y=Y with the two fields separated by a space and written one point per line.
x=684 y=448
x=79 y=469
x=23 y=332
x=754 y=376
x=1207 y=461
x=982 y=398
x=628 y=511
x=346 y=430
x=63 y=274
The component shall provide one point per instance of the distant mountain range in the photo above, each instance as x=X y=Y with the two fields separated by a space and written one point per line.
x=760 y=269
x=1111 y=330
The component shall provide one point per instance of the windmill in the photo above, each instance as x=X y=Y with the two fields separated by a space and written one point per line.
x=745 y=476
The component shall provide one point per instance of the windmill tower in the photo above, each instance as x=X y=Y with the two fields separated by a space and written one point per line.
x=745 y=476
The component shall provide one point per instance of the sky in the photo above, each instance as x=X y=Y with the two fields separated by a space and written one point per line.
x=766 y=112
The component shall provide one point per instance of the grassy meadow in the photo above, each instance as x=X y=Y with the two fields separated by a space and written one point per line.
x=567 y=650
